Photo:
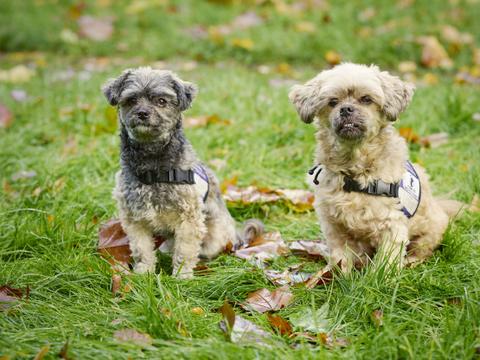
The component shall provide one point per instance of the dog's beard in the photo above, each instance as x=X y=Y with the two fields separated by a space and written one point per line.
x=349 y=128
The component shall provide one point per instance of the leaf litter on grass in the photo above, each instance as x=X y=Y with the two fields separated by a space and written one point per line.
x=264 y=300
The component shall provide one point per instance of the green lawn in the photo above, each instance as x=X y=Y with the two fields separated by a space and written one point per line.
x=65 y=133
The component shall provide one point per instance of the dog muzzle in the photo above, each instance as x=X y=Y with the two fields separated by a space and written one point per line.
x=408 y=190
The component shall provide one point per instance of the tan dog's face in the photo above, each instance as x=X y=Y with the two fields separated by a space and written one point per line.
x=353 y=101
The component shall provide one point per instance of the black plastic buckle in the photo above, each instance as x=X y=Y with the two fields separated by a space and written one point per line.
x=372 y=188
x=190 y=177
x=172 y=175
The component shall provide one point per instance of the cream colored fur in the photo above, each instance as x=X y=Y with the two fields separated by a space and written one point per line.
x=357 y=225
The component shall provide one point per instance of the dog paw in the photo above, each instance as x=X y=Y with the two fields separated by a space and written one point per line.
x=143 y=268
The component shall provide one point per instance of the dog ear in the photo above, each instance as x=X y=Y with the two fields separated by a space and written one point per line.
x=306 y=99
x=186 y=92
x=398 y=94
x=113 y=88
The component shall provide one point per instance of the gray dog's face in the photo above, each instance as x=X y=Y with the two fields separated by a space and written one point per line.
x=150 y=102
x=353 y=101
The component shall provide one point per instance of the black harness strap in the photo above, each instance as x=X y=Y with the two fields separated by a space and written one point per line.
x=172 y=176
x=376 y=187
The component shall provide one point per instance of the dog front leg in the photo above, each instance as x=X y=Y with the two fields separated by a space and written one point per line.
x=392 y=247
x=337 y=241
x=142 y=247
x=188 y=240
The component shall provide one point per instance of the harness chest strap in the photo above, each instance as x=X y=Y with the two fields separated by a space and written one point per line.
x=196 y=176
x=407 y=190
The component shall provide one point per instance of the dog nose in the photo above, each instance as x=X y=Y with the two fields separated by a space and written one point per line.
x=143 y=114
x=346 y=110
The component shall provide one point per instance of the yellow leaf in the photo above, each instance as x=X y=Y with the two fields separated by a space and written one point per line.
x=243 y=43
x=332 y=57
x=430 y=79
x=284 y=69
x=198 y=311
x=305 y=27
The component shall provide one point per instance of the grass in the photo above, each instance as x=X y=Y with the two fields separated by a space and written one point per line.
x=65 y=133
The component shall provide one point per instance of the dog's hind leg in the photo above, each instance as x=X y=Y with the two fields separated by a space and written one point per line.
x=142 y=246
x=220 y=232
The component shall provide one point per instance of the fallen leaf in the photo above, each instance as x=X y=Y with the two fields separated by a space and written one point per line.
x=24 y=174
x=407 y=66
x=453 y=36
x=377 y=317
x=243 y=43
x=63 y=354
x=332 y=57
x=19 y=95
x=408 y=134
x=301 y=200
x=323 y=277
x=133 y=336
x=113 y=243
x=287 y=277
x=41 y=354
x=9 y=296
x=239 y=330
x=228 y=183
x=265 y=300
x=197 y=311
x=247 y=20
x=433 y=53
x=116 y=283
x=6 y=117
x=284 y=68
x=69 y=36
x=197 y=32
x=476 y=117
x=315 y=248
x=96 y=29
x=312 y=320
x=434 y=140
x=475 y=204
x=271 y=245
x=201 y=121
x=430 y=79
x=280 y=324
x=305 y=27
x=331 y=342
x=17 y=74
x=367 y=14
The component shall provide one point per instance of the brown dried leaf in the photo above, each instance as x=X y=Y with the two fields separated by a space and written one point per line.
x=435 y=140
x=453 y=36
x=433 y=53
x=116 y=283
x=63 y=354
x=265 y=248
x=113 y=243
x=240 y=330
x=316 y=248
x=265 y=300
x=409 y=135
x=204 y=120
x=9 y=296
x=280 y=324
x=407 y=67
x=377 y=317
x=133 y=336
x=96 y=29
x=6 y=117
x=322 y=277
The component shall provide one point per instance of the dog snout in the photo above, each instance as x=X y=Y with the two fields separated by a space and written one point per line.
x=143 y=114
x=346 y=110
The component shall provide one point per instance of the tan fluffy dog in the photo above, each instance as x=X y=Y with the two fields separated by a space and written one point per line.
x=353 y=107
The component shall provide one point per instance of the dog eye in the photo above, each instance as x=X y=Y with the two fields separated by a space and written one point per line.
x=161 y=102
x=131 y=100
x=333 y=102
x=366 y=100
